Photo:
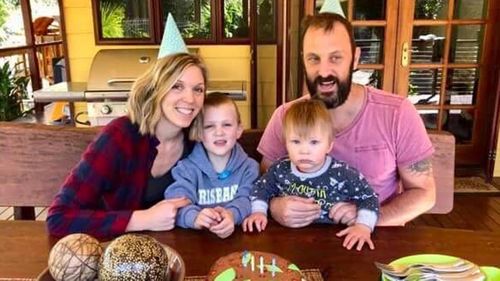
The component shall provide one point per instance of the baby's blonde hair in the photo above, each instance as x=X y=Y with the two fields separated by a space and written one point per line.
x=148 y=91
x=304 y=116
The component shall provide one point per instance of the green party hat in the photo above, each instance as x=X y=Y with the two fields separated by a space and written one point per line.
x=172 y=42
x=332 y=6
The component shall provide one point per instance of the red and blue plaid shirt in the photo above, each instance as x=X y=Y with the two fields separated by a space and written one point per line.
x=107 y=185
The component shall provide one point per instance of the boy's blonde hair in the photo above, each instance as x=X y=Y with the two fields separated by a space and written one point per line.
x=304 y=116
x=148 y=91
x=211 y=100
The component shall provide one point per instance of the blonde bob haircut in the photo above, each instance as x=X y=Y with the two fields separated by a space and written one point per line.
x=213 y=99
x=305 y=116
x=148 y=91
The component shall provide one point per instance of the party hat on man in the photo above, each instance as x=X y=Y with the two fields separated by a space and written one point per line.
x=332 y=6
x=172 y=42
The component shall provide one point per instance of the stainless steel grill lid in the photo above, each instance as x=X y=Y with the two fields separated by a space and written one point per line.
x=112 y=73
x=117 y=69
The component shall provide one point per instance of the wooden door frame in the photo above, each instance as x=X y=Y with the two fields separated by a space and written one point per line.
x=253 y=65
x=287 y=91
x=279 y=10
x=484 y=109
x=494 y=100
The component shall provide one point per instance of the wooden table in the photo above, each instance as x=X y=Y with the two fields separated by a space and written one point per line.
x=24 y=248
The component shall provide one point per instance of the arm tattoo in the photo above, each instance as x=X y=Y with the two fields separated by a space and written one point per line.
x=421 y=168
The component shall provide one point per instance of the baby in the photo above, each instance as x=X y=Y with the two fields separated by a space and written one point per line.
x=310 y=172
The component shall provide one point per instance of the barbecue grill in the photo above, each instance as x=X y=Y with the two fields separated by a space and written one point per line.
x=111 y=75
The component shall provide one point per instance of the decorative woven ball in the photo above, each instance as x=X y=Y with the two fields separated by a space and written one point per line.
x=75 y=258
x=134 y=257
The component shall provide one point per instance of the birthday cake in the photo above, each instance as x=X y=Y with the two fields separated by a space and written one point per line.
x=253 y=265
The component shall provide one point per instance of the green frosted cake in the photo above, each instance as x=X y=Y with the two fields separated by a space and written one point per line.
x=253 y=265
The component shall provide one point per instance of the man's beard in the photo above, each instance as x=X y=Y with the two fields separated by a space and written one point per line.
x=331 y=99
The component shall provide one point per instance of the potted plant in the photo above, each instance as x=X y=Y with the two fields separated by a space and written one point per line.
x=13 y=89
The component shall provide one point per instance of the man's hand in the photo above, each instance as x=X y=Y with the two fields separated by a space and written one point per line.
x=343 y=212
x=293 y=211
x=258 y=218
x=207 y=218
x=226 y=226
x=358 y=233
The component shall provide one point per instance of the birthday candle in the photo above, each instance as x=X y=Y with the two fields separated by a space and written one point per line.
x=252 y=263
x=261 y=265
x=274 y=267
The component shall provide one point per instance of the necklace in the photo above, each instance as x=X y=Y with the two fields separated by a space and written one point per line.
x=224 y=174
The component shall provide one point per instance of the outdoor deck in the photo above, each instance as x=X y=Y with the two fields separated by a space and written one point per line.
x=474 y=211
x=7 y=213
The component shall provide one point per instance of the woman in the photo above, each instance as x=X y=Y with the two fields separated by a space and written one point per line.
x=118 y=184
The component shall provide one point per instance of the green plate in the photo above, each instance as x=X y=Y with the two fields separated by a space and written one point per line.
x=492 y=273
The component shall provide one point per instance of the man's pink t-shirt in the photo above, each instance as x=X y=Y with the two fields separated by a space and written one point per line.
x=388 y=132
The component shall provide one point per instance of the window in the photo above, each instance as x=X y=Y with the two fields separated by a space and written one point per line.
x=266 y=21
x=199 y=21
x=12 y=33
x=32 y=43
x=236 y=19
x=123 y=20
x=193 y=17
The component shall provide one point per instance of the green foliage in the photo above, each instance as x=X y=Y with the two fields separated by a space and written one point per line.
x=429 y=9
x=234 y=23
x=3 y=18
x=3 y=15
x=201 y=29
x=197 y=24
x=265 y=21
x=112 y=15
x=13 y=89
x=184 y=11
x=10 y=4
x=412 y=89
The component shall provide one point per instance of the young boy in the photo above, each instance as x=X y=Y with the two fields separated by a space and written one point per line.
x=311 y=173
x=218 y=175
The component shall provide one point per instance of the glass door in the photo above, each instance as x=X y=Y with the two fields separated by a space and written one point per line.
x=374 y=30
x=439 y=66
x=435 y=52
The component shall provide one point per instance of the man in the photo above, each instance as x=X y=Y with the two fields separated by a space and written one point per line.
x=378 y=133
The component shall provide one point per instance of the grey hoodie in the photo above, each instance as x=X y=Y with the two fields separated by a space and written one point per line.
x=196 y=179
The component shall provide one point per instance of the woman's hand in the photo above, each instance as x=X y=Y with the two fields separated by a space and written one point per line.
x=293 y=211
x=159 y=217
x=225 y=227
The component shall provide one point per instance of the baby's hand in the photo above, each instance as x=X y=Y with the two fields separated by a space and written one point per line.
x=207 y=218
x=226 y=226
x=258 y=218
x=358 y=233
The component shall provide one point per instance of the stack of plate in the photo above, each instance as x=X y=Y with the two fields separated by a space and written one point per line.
x=471 y=272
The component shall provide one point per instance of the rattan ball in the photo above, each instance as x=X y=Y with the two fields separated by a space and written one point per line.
x=75 y=258
x=134 y=257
